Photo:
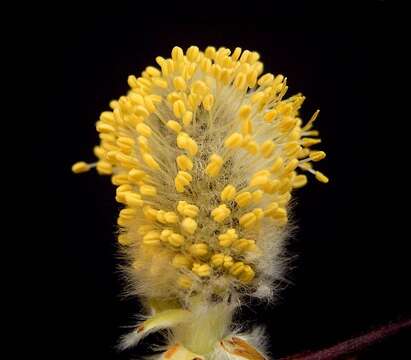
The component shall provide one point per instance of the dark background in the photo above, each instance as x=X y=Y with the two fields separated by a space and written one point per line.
x=350 y=275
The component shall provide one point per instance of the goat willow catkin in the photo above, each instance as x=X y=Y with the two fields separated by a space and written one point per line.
x=205 y=152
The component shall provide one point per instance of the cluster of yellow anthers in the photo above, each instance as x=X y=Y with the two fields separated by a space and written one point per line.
x=204 y=152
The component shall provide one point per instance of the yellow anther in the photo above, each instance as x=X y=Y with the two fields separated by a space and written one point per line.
x=307 y=142
x=149 y=103
x=80 y=167
x=149 y=213
x=107 y=138
x=267 y=148
x=203 y=270
x=104 y=128
x=321 y=177
x=123 y=188
x=173 y=97
x=240 y=81
x=208 y=102
x=228 y=262
x=179 y=83
x=317 y=155
x=135 y=98
x=242 y=245
x=291 y=148
x=192 y=146
x=144 y=229
x=107 y=117
x=236 y=54
x=285 y=186
x=144 y=130
x=152 y=238
x=248 y=220
x=257 y=97
x=243 y=199
x=291 y=166
x=287 y=124
x=140 y=110
x=177 y=53
x=119 y=179
x=220 y=213
x=148 y=190
x=259 y=181
x=176 y=239
x=192 y=53
x=244 y=112
x=199 y=87
x=187 y=118
x=184 y=163
x=266 y=80
x=244 y=56
x=179 y=108
x=184 y=282
x=160 y=216
x=151 y=163
x=237 y=268
x=277 y=165
x=126 y=161
x=271 y=209
x=210 y=52
x=182 y=179
x=128 y=213
x=187 y=209
x=214 y=166
x=226 y=239
x=284 y=109
x=257 y=196
x=235 y=140
x=252 y=147
x=217 y=260
x=259 y=213
x=125 y=143
x=247 y=274
x=299 y=181
x=189 y=225
x=252 y=78
x=228 y=193
x=133 y=200
x=170 y=217
x=165 y=234
x=143 y=143
x=124 y=239
x=132 y=81
x=99 y=152
x=161 y=83
x=271 y=186
x=181 y=261
x=136 y=175
x=199 y=249
x=279 y=213
x=247 y=126
x=174 y=125
x=104 y=168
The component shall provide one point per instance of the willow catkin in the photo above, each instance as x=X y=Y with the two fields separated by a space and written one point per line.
x=205 y=152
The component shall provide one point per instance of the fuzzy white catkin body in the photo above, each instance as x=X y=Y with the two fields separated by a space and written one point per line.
x=205 y=153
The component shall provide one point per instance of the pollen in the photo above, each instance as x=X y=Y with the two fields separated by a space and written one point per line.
x=205 y=152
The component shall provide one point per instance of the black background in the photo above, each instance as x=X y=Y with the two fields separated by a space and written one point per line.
x=350 y=274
